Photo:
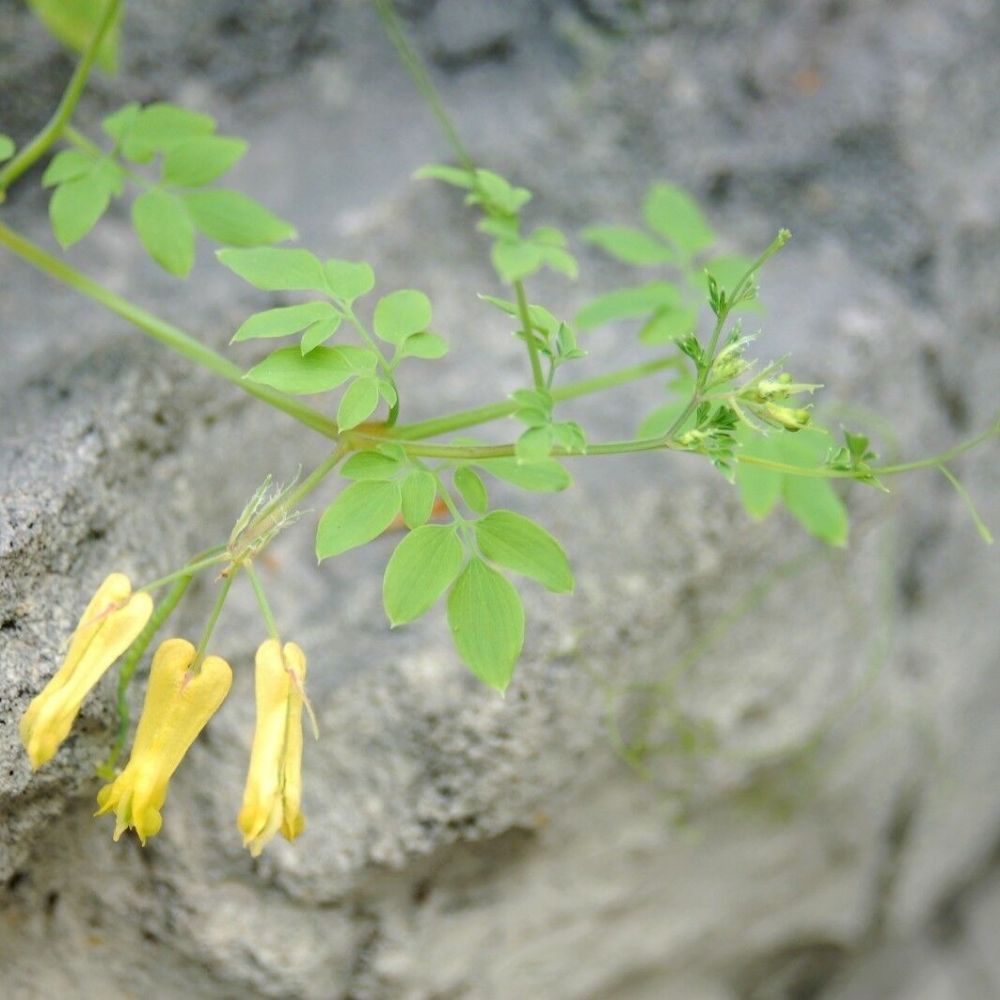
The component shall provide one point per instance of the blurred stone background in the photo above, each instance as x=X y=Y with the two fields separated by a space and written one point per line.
x=818 y=816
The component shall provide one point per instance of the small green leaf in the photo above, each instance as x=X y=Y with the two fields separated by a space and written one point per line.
x=283 y=320
x=319 y=370
x=727 y=271
x=534 y=444
x=76 y=206
x=419 y=493
x=358 y=403
x=423 y=566
x=560 y=260
x=370 y=465
x=457 y=176
x=75 y=22
x=319 y=333
x=628 y=244
x=628 y=302
x=497 y=195
x=7 y=148
x=541 y=318
x=486 y=618
x=424 y=345
x=817 y=507
x=362 y=512
x=236 y=220
x=401 y=314
x=544 y=475
x=66 y=165
x=675 y=214
x=670 y=323
x=760 y=488
x=164 y=228
x=471 y=487
x=388 y=391
x=197 y=161
x=516 y=542
x=118 y=123
x=159 y=127
x=348 y=279
x=515 y=259
x=273 y=269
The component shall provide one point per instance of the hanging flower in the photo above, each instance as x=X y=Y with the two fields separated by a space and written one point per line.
x=273 y=793
x=178 y=704
x=112 y=621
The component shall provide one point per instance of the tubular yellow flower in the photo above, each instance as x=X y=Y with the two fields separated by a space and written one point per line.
x=273 y=793
x=113 y=619
x=177 y=706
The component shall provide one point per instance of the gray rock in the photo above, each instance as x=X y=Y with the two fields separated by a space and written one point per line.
x=818 y=792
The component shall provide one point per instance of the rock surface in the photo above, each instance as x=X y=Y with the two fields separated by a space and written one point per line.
x=818 y=815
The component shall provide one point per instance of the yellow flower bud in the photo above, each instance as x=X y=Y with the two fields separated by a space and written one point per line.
x=273 y=793
x=178 y=705
x=113 y=619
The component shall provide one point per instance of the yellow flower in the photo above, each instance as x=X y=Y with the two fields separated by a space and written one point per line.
x=113 y=619
x=273 y=793
x=177 y=706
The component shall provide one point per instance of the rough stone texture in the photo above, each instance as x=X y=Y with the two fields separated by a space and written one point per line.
x=834 y=833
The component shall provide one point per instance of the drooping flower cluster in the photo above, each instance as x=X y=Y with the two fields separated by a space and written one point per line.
x=184 y=692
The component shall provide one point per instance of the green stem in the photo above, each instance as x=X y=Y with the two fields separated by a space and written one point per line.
x=984 y=532
x=495 y=411
x=67 y=105
x=415 y=68
x=265 y=608
x=211 y=558
x=485 y=452
x=165 y=333
x=296 y=496
x=529 y=335
x=213 y=618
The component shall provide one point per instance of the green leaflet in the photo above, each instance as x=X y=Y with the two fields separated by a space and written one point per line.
x=348 y=280
x=628 y=244
x=284 y=320
x=202 y=159
x=472 y=490
x=235 y=219
x=274 y=269
x=74 y=23
x=401 y=314
x=518 y=543
x=77 y=204
x=165 y=229
x=358 y=403
x=324 y=368
x=362 y=512
x=421 y=569
x=486 y=618
x=419 y=493
x=545 y=475
x=674 y=214
x=811 y=500
x=628 y=302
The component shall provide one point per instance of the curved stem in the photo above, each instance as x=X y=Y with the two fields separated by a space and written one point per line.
x=265 y=608
x=496 y=411
x=172 y=336
x=529 y=335
x=213 y=618
x=67 y=105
